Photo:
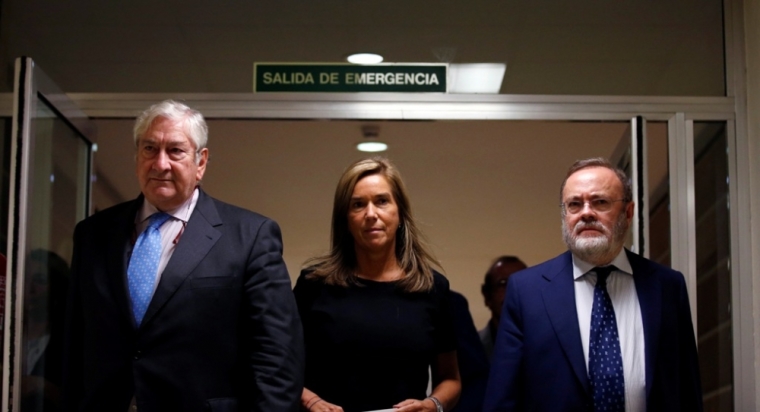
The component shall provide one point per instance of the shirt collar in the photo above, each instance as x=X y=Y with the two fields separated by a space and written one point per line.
x=182 y=212
x=581 y=267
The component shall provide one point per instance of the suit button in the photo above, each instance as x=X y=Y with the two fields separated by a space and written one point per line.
x=138 y=354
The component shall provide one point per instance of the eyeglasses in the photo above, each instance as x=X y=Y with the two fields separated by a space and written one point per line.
x=598 y=205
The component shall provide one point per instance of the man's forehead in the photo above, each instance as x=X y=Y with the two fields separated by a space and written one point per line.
x=172 y=136
x=166 y=126
x=592 y=180
x=172 y=139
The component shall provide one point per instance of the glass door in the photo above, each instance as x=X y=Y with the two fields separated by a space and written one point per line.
x=701 y=184
x=713 y=262
x=631 y=156
x=50 y=192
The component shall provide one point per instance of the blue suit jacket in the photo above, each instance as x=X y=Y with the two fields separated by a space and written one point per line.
x=538 y=362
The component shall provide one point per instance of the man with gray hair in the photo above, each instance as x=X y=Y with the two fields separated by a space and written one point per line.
x=180 y=302
x=597 y=328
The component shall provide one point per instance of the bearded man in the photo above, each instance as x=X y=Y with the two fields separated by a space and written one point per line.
x=597 y=328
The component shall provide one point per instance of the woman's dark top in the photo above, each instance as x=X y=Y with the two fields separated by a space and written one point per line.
x=369 y=346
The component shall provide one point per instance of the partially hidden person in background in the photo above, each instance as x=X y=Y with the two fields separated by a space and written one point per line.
x=376 y=315
x=471 y=356
x=597 y=328
x=180 y=302
x=494 y=289
x=46 y=281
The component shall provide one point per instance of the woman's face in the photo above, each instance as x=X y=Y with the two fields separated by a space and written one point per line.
x=373 y=215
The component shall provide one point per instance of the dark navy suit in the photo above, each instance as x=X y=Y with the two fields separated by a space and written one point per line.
x=538 y=362
x=222 y=331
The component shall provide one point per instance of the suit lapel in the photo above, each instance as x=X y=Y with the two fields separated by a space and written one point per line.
x=559 y=299
x=650 y=300
x=199 y=237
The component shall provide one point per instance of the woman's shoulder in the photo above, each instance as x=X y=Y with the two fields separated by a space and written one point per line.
x=440 y=283
x=307 y=279
x=306 y=271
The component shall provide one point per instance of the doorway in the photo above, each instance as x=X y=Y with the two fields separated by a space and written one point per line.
x=256 y=163
x=480 y=188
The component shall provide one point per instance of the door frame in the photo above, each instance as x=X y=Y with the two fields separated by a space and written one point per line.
x=678 y=112
x=32 y=85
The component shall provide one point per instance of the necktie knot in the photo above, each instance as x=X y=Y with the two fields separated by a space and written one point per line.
x=157 y=219
x=602 y=273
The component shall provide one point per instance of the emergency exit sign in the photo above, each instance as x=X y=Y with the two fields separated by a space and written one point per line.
x=302 y=77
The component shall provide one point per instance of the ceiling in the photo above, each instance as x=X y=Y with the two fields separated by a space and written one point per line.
x=582 y=47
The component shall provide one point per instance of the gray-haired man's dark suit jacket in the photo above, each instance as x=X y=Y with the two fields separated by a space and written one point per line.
x=221 y=333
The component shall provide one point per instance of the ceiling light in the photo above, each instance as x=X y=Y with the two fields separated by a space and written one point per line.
x=372 y=147
x=364 y=58
x=476 y=77
x=371 y=133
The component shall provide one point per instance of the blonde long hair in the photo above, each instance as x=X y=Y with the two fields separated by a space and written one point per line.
x=337 y=267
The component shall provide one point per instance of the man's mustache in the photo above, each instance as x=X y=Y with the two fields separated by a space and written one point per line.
x=589 y=225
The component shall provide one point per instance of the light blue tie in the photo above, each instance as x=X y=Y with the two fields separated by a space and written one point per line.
x=605 y=365
x=143 y=265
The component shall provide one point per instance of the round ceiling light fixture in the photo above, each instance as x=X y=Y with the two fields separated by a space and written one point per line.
x=372 y=147
x=365 y=58
x=371 y=143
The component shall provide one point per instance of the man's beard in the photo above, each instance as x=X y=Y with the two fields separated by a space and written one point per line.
x=597 y=248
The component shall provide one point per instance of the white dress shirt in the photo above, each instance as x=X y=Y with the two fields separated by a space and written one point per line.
x=625 y=301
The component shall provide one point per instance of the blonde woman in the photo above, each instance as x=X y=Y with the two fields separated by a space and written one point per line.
x=376 y=315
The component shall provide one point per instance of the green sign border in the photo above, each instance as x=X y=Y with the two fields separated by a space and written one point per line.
x=351 y=78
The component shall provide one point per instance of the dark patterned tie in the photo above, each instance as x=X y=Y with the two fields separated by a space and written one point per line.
x=605 y=363
x=143 y=265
